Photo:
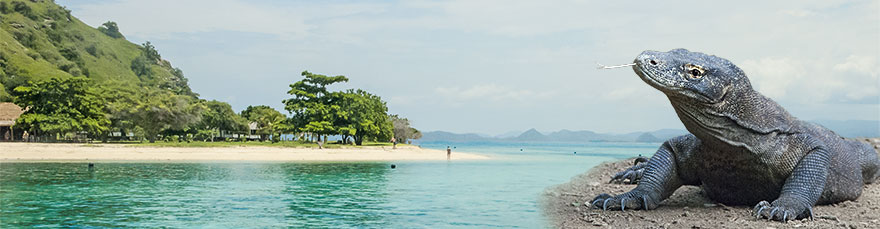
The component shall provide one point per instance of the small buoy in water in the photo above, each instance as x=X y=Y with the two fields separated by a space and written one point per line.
x=91 y=165
x=520 y=150
x=393 y=166
x=575 y=152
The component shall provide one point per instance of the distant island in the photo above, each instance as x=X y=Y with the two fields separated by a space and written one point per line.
x=533 y=135
x=846 y=128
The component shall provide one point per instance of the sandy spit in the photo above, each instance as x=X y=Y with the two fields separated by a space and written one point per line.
x=61 y=152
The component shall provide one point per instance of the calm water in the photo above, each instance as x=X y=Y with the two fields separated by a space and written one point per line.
x=502 y=192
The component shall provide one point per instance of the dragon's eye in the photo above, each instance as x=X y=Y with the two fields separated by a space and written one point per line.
x=694 y=71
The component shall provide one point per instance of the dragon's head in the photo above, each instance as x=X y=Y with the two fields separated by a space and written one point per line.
x=694 y=75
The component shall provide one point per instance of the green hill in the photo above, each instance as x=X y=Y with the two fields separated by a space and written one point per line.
x=40 y=40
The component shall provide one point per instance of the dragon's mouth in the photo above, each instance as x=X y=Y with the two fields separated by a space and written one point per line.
x=646 y=76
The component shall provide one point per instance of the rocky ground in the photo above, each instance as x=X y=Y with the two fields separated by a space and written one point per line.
x=567 y=206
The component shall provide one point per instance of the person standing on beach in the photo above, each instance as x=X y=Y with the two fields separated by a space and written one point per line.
x=448 y=153
x=394 y=142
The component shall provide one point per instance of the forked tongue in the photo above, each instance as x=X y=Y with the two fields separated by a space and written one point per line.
x=602 y=66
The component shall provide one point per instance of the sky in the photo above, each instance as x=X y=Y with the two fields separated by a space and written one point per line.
x=494 y=67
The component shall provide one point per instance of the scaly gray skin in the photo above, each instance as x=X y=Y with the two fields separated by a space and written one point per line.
x=743 y=148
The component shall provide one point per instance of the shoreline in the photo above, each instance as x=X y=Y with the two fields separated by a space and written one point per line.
x=73 y=152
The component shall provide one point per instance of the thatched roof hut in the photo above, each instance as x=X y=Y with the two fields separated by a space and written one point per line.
x=9 y=112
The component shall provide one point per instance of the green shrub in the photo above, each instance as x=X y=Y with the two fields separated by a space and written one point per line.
x=110 y=29
x=171 y=138
x=59 y=13
x=25 y=38
x=69 y=53
x=34 y=55
x=55 y=36
x=24 y=9
x=142 y=67
x=92 y=50
x=4 y=8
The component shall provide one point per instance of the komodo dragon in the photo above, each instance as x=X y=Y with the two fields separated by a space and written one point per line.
x=743 y=148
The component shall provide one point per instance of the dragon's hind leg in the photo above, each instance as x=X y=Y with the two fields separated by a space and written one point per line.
x=870 y=163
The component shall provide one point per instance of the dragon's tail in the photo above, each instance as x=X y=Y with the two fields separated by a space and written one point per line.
x=871 y=164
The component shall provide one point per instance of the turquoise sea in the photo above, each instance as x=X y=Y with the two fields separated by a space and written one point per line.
x=502 y=192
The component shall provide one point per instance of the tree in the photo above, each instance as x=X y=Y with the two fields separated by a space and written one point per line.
x=142 y=65
x=162 y=110
x=312 y=107
x=61 y=105
x=110 y=29
x=402 y=129
x=220 y=116
x=269 y=121
x=364 y=116
x=119 y=104
x=149 y=51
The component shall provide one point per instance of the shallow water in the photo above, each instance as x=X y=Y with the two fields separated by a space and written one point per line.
x=502 y=192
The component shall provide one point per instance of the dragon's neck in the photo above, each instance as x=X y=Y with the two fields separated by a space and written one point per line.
x=745 y=119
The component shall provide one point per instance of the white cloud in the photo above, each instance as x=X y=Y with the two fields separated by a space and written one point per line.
x=773 y=77
x=167 y=18
x=859 y=64
x=403 y=100
x=806 y=80
x=492 y=93
x=513 y=18
x=799 y=12
x=862 y=72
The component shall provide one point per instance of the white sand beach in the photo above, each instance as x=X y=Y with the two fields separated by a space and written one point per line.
x=22 y=152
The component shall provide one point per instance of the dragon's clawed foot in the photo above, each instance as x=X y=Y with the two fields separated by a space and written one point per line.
x=783 y=210
x=630 y=200
x=631 y=175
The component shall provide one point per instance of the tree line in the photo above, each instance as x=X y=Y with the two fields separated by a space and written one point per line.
x=69 y=107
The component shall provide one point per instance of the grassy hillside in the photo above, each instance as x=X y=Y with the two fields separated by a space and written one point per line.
x=40 y=39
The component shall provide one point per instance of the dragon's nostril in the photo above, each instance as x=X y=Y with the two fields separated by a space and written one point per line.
x=653 y=62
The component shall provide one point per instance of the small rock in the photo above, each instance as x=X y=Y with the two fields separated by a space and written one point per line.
x=594 y=183
x=710 y=205
x=599 y=224
x=769 y=228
